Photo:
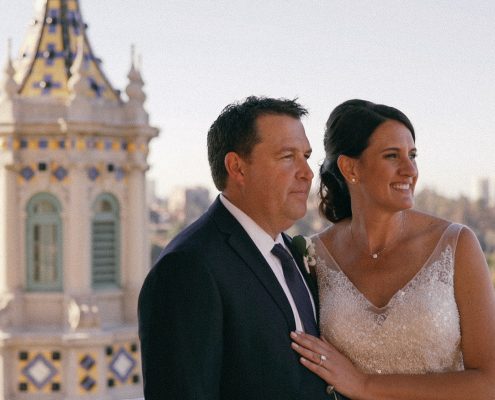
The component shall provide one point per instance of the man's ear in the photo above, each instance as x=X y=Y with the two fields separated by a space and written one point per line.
x=347 y=167
x=234 y=164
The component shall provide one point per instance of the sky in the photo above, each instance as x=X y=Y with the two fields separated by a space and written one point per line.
x=434 y=60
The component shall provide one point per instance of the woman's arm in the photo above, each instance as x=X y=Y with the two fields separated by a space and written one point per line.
x=475 y=298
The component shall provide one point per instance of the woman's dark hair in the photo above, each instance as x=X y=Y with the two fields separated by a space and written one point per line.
x=347 y=132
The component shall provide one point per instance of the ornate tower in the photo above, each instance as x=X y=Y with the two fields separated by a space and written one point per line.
x=73 y=218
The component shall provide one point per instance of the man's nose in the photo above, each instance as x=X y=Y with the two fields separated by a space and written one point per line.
x=306 y=171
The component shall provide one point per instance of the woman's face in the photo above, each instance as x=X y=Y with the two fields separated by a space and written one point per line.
x=386 y=170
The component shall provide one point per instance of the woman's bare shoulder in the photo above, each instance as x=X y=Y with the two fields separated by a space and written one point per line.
x=333 y=233
x=422 y=224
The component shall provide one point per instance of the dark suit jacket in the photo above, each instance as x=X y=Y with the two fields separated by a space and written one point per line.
x=214 y=322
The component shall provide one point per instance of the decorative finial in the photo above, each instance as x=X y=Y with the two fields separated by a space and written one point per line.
x=134 y=75
x=9 y=48
x=135 y=90
x=77 y=83
x=8 y=87
x=133 y=55
x=135 y=87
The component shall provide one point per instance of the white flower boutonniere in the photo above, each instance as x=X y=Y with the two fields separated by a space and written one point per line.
x=306 y=248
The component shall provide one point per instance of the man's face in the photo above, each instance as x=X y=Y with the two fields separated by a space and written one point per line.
x=277 y=177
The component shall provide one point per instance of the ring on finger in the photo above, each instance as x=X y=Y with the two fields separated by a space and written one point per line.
x=322 y=358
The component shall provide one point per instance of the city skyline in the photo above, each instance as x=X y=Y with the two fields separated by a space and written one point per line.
x=432 y=61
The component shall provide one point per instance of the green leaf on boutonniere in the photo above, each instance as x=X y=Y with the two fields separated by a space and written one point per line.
x=299 y=244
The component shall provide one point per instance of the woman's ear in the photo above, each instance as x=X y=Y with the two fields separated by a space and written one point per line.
x=347 y=167
x=234 y=164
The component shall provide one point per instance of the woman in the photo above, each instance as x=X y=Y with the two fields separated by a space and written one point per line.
x=407 y=308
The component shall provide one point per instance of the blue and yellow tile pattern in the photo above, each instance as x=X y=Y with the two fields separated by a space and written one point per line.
x=50 y=50
x=122 y=364
x=80 y=144
x=87 y=372
x=39 y=372
x=60 y=173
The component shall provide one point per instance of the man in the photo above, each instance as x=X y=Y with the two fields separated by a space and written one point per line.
x=216 y=311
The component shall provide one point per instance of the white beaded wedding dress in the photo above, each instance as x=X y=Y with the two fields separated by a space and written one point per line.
x=417 y=332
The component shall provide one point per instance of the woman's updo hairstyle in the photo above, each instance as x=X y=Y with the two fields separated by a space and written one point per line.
x=347 y=132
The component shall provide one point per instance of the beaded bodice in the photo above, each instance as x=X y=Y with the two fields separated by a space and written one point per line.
x=418 y=331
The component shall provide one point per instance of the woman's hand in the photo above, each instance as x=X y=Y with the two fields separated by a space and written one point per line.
x=320 y=357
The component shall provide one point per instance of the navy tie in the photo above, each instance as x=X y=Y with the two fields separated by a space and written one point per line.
x=297 y=289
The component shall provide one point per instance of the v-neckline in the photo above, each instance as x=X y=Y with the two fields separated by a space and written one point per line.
x=401 y=289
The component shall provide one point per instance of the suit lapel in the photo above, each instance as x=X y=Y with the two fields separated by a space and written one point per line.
x=242 y=244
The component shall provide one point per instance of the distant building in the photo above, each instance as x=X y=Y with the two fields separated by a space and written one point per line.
x=73 y=217
x=186 y=205
x=160 y=227
x=483 y=191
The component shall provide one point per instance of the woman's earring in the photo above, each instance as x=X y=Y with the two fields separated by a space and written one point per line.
x=353 y=180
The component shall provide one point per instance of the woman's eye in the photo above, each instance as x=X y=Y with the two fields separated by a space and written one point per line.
x=391 y=155
x=413 y=156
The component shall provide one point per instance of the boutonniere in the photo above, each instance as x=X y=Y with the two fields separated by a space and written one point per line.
x=306 y=248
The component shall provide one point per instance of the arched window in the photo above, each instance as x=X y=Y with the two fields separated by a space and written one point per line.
x=44 y=243
x=105 y=242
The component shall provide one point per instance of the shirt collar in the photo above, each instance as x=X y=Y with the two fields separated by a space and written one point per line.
x=261 y=238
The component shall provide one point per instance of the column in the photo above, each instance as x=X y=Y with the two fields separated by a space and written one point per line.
x=137 y=246
x=77 y=265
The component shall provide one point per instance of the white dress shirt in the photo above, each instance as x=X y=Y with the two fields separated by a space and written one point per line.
x=264 y=242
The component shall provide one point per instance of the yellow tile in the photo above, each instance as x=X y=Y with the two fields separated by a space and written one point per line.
x=92 y=373
x=80 y=144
